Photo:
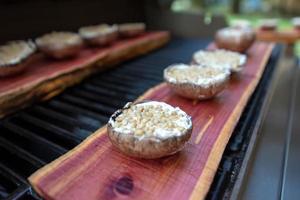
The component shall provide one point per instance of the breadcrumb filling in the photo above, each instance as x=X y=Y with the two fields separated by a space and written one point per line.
x=57 y=39
x=220 y=58
x=15 y=52
x=152 y=119
x=97 y=30
x=203 y=76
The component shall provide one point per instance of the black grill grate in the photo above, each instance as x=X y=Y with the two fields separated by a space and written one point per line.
x=37 y=135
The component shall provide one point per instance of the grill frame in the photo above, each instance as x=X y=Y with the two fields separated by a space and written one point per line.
x=58 y=125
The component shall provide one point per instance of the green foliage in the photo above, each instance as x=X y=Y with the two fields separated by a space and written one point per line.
x=213 y=8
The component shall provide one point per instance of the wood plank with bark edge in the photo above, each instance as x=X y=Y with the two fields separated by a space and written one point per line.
x=96 y=170
x=284 y=36
x=46 y=78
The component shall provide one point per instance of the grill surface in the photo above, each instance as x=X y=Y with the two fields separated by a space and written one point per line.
x=38 y=135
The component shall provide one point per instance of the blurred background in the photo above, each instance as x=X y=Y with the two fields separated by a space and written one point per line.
x=22 y=19
x=251 y=10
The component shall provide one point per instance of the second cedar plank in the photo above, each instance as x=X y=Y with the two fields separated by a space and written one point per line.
x=96 y=170
x=45 y=78
x=283 y=36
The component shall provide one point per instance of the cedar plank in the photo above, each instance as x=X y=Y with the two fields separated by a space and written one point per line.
x=283 y=36
x=96 y=170
x=46 y=78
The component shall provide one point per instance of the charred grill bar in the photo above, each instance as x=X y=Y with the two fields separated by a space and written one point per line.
x=38 y=135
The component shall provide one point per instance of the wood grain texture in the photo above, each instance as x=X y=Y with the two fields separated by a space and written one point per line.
x=284 y=36
x=46 y=78
x=96 y=170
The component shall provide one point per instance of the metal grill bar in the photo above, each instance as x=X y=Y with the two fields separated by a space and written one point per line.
x=78 y=113
x=10 y=175
x=37 y=122
x=109 y=102
x=23 y=192
x=21 y=153
x=87 y=103
x=13 y=186
x=64 y=119
x=119 y=88
x=34 y=143
x=107 y=92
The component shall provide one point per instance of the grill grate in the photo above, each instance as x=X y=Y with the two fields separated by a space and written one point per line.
x=35 y=136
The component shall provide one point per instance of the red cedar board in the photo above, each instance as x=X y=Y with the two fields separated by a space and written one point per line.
x=44 y=78
x=96 y=170
x=44 y=69
x=284 y=36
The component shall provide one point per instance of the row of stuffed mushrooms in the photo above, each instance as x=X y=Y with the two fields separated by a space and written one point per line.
x=152 y=129
x=15 y=56
x=146 y=129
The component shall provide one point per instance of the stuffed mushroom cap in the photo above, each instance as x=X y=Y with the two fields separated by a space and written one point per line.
x=233 y=61
x=57 y=40
x=237 y=39
x=15 y=52
x=60 y=44
x=131 y=29
x=99 y=34
x=196 y=82
x=14 y=56
x=97 y=30
x=149 y=129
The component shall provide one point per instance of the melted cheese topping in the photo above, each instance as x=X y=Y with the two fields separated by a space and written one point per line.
x=59 y=39
x=236 y=34
x=220 y=58
x=130 y=26
x=232 y=32
x=98 y=30
x=150 y=119
x=14 y=52
x=205 y=77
